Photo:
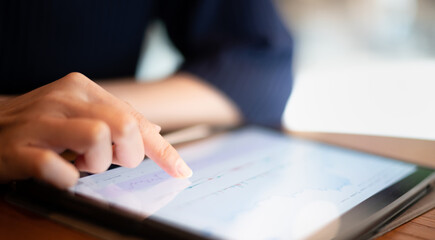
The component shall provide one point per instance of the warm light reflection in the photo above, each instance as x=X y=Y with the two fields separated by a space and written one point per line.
x=144 y=202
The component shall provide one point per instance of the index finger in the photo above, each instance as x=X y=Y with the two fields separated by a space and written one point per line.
x=160 y=151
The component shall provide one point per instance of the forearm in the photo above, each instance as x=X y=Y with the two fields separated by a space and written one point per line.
x=178 y=101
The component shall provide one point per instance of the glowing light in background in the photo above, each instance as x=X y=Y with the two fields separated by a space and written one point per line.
x=365 y=67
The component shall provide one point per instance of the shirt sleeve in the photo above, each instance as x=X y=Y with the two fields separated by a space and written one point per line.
x=241 y=47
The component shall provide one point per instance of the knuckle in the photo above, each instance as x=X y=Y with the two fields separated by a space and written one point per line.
x=75 y=76
x=75 y=79
x=98 y=132
x=141 y=120
x=126 y=125
x=147 y=128
x=165 y=151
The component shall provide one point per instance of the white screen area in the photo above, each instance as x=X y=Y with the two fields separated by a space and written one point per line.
x=251 y=184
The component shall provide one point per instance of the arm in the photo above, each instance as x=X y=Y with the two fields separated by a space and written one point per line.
x=179 y=101
x=239 y=47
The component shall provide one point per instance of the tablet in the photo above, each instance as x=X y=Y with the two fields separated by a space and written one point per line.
x=255 y=183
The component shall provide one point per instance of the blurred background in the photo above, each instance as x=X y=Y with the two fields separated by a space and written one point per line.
x=361 y=66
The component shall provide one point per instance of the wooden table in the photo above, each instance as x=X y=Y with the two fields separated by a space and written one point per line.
x=20 y=224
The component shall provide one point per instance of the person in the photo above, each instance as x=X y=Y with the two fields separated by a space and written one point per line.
x=237 y=70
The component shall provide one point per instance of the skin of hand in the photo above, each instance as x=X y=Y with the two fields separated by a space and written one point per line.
x=181 y=100
x=74 y=113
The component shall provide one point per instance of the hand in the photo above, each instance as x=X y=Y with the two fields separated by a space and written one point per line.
x=74 y=113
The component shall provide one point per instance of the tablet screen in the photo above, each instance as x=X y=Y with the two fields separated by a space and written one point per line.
x=250 y=184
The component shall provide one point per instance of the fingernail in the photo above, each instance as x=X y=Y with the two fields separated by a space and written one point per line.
x=183 y=170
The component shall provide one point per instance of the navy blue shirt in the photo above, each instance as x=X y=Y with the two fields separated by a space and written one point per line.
x=241 y=47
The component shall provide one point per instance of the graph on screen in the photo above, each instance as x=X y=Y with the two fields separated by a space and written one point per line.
x=248 y=179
